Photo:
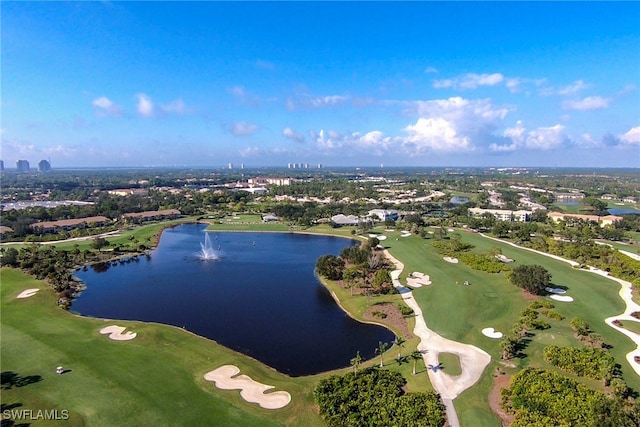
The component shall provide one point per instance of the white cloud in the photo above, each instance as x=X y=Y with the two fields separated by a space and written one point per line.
x=250 y=152
x=371 y=143
x=328 y=100
x=304 y=100
x=334 y=134
x=589 y=103
x=627 y=89
x=435 y=134
x=145 y=105
x=453 y=124
x=14 y=148
x=542 y=138
x=444 y=83
x=59 y=150
x=175 y=107
x=105 y=107
x=632 y=137
x=242 y=128
x=570 y=89
x=470 y=81
x=574 y=87
x=546 y=138
x=431 y=70
x=293 y=135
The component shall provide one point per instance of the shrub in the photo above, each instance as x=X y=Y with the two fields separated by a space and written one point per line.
x=375 y=397
x=532 y=278
x=405 y=309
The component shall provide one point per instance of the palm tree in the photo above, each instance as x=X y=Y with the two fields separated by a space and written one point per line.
x=399 y=341
x=356 y=361
x=382 y=347
x=415 y=355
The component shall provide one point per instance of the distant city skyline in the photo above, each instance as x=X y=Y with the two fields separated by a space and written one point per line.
x=478 y=84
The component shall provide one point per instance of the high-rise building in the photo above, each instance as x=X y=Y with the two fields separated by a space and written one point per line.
x=230 y=166
x=22 y=165
x=44 y=166
x=1 y=165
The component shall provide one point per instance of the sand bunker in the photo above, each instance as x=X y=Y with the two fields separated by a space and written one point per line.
x=562 y=298
x=117 y=333
x=378 y=236
x=504 y=259
x=417 y=279
x=491 y=333
x=28 y=293
x=250 y=390
x=555 y=290
x=451 y=260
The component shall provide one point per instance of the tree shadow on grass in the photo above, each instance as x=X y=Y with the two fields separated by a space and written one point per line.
x=9 y=422
x=10 y=379
x=552 y=285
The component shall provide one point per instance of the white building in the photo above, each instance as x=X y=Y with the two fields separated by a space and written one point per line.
x=502 y=214
x=384 y=214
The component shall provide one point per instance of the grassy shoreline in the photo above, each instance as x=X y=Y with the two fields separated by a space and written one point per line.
x=37 y=335
x=129 y=384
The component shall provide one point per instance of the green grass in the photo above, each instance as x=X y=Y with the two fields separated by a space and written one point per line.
x=450 y=363
x=157 y=378
x=460 y=312
x=631 y=325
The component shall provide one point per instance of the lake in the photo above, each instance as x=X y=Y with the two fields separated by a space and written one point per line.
x=260 y=297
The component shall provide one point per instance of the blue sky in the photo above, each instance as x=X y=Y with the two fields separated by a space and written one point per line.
x=342 y=84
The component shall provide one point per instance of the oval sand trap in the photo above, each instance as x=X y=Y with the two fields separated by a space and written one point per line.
x=28 y=293
x=451 y=260
x=491 y=333
x=250 y=390
x=563 y=298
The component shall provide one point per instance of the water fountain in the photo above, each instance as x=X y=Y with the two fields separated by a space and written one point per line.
x=206 y=250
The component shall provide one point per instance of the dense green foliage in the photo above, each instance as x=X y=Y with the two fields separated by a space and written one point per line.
x=374 y=397
x=541 y=398
x=330 y=266
x=587 y=362
x=481 y=262
x=531 y=278
x=362 y=266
